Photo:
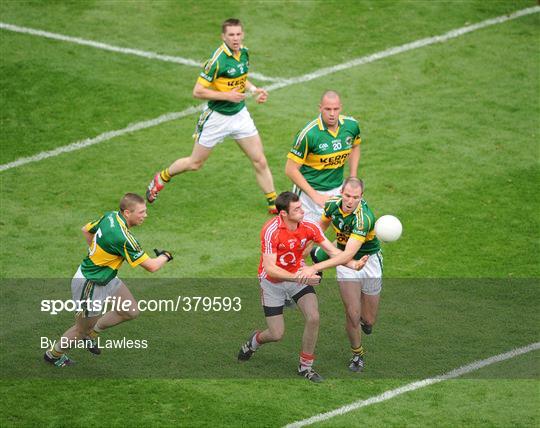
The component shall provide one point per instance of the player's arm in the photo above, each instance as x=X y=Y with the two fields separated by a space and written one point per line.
x=156 y=263
x=292 y=170
x=354 y=161
x=260 y=94
x=205 y=93
x=274 y=271
x=88 y=236
x=338 y=257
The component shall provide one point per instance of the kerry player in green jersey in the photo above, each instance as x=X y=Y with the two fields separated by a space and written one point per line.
x=353 y=223
x=316 y=162
x=223 y=83
x=110 y=243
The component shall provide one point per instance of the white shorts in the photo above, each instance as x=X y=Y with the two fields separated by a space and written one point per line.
x=370 y=276
x=83 y=289
x=273 y=294
x=313 y=212
x=213 y=127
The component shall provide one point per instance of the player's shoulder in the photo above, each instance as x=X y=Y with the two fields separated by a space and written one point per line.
x=332 y=204
x=271 y=225
x=308 y=128
x=348 y=119
x=311 y=226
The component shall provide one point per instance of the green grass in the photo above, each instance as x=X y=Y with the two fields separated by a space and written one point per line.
x=450 y=137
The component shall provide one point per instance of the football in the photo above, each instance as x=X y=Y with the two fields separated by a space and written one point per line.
x=388 y=228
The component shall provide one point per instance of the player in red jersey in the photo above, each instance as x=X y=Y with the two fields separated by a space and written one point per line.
x=283 y=273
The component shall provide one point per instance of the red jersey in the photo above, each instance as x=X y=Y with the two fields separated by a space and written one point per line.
x=289 y=245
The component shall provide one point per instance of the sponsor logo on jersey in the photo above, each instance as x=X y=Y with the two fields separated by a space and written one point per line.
x=349 y=141
x=323 y=146
x=231 y=70
x=334 y=160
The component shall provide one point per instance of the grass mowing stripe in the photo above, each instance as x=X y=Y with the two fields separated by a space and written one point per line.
x=126 y=51
x=416 y=385
x=284 y=83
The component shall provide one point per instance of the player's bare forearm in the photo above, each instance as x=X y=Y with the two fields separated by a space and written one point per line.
x=292 y=170
x=155 y=264
x=354 y=161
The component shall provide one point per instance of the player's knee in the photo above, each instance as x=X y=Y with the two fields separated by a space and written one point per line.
x=277 y=333
x=260 y=163
x=312 y=318
x=131 y=314
x=195 y=164
x=369 y=319
x=353 y=317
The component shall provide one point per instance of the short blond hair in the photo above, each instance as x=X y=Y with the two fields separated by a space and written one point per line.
x=129 y=200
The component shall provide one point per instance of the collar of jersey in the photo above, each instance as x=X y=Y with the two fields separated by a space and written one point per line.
x=121 y=218
x=323 y=127
x=228 y=51
x=282 y=225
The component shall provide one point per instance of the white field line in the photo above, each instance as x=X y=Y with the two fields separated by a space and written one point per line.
x=287 y=82
x=403 y=48
x=102 y=137
x=387 y=395
x=107 y=47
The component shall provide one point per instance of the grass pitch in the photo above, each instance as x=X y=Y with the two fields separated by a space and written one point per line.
x=450 y=137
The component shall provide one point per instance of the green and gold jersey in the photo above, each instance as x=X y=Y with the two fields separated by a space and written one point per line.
x=323 y=153
x=223 y=72
x=356 y=225
x=113 y=243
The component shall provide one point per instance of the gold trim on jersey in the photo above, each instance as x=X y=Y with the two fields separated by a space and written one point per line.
x=227 y=84
x=137 y=262
x=100 y=257
x=329 y=161
x=358 y=237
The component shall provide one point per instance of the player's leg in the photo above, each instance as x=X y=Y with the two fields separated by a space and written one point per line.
x=194 y=162
x=253 y=148
x=79 y=331
x=272 y=300
x=350 y=289
x=211 y=129
x=121 y=311
x=307 y=302
x=371 y=290
x=370 y=307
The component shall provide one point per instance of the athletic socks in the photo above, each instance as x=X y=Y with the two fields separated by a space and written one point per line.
x=271 y=199
x=306 y=361
x=358 y=351
x=165 y=176
x=255 y=343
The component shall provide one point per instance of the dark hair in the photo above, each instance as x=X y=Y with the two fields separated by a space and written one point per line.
x=231 y=22
x=355 y=182
x=283 y=201
x=129 y=200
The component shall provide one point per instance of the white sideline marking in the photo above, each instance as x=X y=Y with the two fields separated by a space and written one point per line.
x=107 y=47
x=102 y=137
x=403 y=48
x=387 y=395
x=283 y=83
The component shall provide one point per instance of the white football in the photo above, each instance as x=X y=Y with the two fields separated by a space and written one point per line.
x=388 y=228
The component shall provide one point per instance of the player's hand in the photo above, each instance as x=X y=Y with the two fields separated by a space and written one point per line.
x=163 y=253
x=359 y=264
x=303 y=278
x=235 y=95
x=261 y=95
x=321 y=199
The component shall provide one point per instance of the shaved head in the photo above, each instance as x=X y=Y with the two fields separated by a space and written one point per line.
x=330 y=94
